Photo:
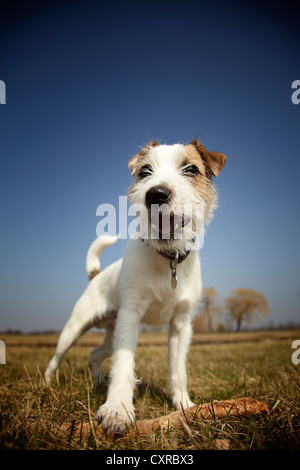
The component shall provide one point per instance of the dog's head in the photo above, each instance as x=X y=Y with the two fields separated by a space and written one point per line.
x=173 y=192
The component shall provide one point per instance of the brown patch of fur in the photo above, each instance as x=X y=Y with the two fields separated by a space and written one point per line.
x=213 y=161
x=201 y=182
x=93 y=273
x=137 y=158
x=191 y=156
x=151 y=143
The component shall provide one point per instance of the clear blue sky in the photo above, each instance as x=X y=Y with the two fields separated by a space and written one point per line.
x=88 y=83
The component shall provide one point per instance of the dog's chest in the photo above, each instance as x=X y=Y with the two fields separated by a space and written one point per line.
x=159 y=313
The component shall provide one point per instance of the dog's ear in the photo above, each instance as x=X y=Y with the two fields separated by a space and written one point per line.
x=214 y=161
x=133 y=161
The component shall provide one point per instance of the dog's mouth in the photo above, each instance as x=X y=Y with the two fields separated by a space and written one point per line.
x=168 y=226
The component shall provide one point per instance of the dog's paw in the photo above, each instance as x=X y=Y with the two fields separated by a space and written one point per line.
x=98 y=377
x=49 y=375
x=117 y=418
x=182 y=401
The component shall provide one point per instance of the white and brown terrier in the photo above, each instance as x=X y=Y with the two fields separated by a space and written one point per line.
x=158 y=280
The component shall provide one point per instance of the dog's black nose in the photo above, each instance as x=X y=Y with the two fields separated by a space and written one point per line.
x=158 y=195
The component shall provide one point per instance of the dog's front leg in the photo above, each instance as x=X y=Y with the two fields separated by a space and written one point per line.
x=180 y=332
x=118 y=411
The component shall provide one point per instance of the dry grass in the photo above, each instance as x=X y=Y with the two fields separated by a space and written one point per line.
x=258 y=366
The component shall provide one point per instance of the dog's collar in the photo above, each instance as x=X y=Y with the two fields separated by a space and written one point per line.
x=174 y=258
x=171 y=256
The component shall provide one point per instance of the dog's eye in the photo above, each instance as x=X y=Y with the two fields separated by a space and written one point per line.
x=146 y=170
x=190 y=170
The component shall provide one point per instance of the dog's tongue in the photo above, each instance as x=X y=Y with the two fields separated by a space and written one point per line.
x=164 y=224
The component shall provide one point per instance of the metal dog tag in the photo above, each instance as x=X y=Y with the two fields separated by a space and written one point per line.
x=173 y=272
x=173 y=278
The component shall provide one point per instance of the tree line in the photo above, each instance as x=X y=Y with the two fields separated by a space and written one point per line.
x=242 y=306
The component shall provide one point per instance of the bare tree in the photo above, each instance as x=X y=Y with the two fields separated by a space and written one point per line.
x=208 y=310
x=246 y=304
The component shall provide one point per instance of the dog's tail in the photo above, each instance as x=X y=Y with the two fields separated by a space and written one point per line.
x=92 y=259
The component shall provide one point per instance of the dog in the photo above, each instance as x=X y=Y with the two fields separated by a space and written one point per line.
x=157 y=282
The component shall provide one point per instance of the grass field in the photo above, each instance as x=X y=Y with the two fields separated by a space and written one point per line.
x=220 y=366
